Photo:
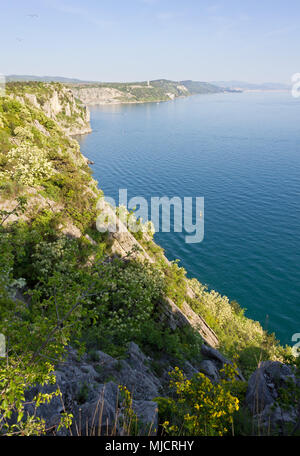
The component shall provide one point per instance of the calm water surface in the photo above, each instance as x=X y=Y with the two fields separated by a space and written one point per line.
x=242 y=153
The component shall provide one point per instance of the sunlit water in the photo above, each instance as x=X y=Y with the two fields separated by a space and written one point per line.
x=242 y=153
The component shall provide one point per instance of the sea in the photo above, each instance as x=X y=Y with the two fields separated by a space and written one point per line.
x=241 y=153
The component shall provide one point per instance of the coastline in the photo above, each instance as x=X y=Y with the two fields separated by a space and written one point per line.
x=175 y=321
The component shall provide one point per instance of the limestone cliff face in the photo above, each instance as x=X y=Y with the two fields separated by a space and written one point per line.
x=147 y=91
x=59 y=103
x=127 y=93
x=101 y=95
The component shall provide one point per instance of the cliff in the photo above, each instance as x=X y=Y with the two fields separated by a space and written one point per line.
x=56 y=101
x=139 y=92
x=101 y=309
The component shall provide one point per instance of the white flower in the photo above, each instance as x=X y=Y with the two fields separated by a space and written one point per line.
x=28 y=164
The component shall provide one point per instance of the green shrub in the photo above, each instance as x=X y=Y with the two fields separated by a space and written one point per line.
x=157 y=340
x=82 y=394
x=176 y=284
x=200 y=407
x=238 y=334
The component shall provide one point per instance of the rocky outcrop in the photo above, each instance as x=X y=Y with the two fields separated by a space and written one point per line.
x=58 y=103
x=100 y=95
x=90 y=391
x=209 y=368
x=265 y=387
x=176 y=317
x=219 y=361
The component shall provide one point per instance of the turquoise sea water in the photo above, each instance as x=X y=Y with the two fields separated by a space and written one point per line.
x=242 y=153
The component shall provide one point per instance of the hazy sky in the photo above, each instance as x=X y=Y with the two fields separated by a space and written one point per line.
x=114 y=40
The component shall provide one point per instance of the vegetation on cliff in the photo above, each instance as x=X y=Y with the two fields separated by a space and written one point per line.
x=56 y=101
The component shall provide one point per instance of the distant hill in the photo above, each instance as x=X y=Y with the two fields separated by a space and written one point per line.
x=197 y=87
x=140 y=92
x=192 y=86
x=16 y=78
x=251 y=86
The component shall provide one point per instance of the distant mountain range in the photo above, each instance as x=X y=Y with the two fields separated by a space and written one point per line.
x=192 y=85
x=23 y=77
x=251 y=86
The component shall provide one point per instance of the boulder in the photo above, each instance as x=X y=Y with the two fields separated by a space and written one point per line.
x=210 y=369
x=147 y=413
x=133 y=372
x=99 y=416
x=263 y=391
x=218 y=359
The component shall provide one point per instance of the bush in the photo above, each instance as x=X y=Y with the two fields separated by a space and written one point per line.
x=127 y=292
x=156 y=340
x=200 y=407
x=28 y=164
x=238 y=334
x=176 y=282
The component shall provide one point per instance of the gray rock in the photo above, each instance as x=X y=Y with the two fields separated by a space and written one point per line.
x=259 y=395
x=104 y=416
x=209 y=368
x=136 y=357
x=99 y=417
x=137 y=375
x=92 y=398
x=147 y=413
x=189 y=370
x=133 y=372
x=219 y=360
x=277 y=418
x=212 y=353
x=263 y=391
x=51 y=412
x=175 y=317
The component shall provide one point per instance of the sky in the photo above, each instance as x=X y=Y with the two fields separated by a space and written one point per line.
x=134 y=40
